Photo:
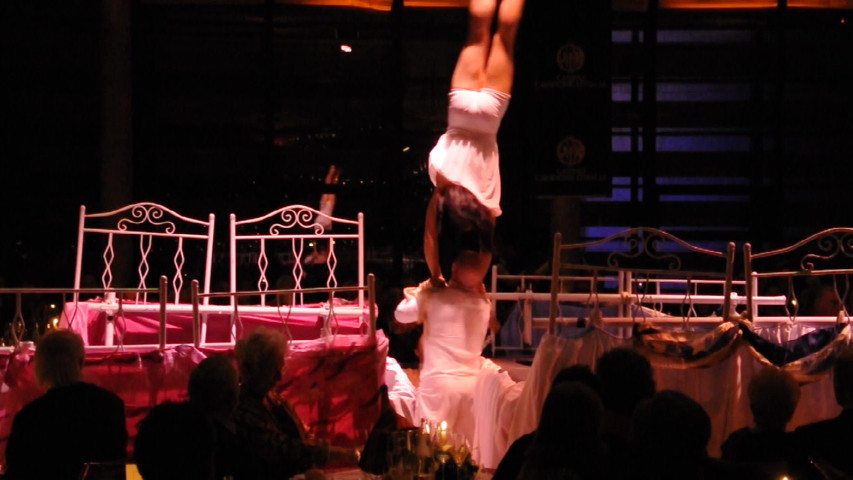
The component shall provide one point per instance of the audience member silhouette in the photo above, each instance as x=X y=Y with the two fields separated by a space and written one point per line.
x=823 y=444
x=773 y=396
x=671 y=433
x=626 y=379
x=175 y=441
x=566 y=444
x=374 y=456
x=820 y=299
x=84 y=422
x=274 y=439
x=510 y=464
x=213 y=390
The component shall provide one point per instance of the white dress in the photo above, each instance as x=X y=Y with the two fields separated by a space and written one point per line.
x=455 y=325
x=467 y=153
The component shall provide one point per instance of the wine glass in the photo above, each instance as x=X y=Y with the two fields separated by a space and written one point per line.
x=459 y=449
x=442 y=445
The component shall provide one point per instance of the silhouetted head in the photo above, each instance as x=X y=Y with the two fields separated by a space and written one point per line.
x=673 y=425
x=626 y=379
x=213 y=386
x=59 y=359
x=569 y=426
x=175 y=442
x=773 y=396
x=260 y=359
x=578 y=373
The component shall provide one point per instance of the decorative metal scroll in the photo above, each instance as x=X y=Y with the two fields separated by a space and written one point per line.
x=148 y=221
x=831 y=245
x=299 y=216
x=296 y=224
x=147 y=214
x=644 y=248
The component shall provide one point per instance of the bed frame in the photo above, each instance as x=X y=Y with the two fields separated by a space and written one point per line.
x=825 y=254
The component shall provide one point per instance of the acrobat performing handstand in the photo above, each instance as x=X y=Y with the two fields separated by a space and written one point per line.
x=463 y=165
x=460 y=219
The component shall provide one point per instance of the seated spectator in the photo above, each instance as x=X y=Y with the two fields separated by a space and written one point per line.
x=510 y=464
x=626 y=379
x=213 y=391
x=374 y=456
x=822 y=443
x=273 y=437
x=671 y=433
x=78 y=422
x=174 y=442
x=566 y=444
x=773 y=396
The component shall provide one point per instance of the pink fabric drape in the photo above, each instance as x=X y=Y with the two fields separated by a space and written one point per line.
x=332 y=383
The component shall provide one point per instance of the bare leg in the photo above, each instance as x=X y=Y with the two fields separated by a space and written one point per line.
x=470 y=71
x=500 y=66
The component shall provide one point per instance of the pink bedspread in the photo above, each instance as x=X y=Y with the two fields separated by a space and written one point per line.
x=142 y=328
x=332 y=383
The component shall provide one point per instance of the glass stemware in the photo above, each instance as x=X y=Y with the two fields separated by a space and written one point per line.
x=459 y=449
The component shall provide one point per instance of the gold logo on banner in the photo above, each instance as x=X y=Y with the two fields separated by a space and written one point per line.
x=570 y=58
x=571 y=151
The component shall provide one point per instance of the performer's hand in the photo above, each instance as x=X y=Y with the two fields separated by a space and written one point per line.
x=494 y=324
x=437 y=282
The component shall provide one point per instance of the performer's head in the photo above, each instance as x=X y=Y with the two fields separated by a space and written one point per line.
x=467 y=270
x=59 y=359
x=463 y=224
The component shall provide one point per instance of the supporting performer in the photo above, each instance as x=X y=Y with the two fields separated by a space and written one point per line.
x=455 y=320
x=463 y=165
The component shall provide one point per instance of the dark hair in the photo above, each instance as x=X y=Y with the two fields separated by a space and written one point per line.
x=568 y=432
x=213 y=385
x=626 y=378
x=463 y=223
x=672 y=422
x=578 y=373
x=175 y=441
x=773 y=396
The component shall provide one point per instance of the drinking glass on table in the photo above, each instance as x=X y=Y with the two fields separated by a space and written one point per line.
x=458 y=449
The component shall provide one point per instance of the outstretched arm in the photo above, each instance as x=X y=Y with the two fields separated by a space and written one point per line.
x=431 y=241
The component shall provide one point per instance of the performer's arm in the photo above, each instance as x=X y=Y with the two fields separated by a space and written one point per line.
x=431 y=241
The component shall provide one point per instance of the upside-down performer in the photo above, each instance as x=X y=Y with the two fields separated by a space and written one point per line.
x=463 y=165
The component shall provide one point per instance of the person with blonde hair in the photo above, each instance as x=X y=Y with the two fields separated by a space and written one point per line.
x=84 y=422
x=275 y=440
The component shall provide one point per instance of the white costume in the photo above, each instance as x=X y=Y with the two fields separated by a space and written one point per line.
x=455 y=325
x=467 y=153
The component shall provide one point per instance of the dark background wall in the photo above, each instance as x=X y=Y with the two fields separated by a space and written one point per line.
x=242 y=107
